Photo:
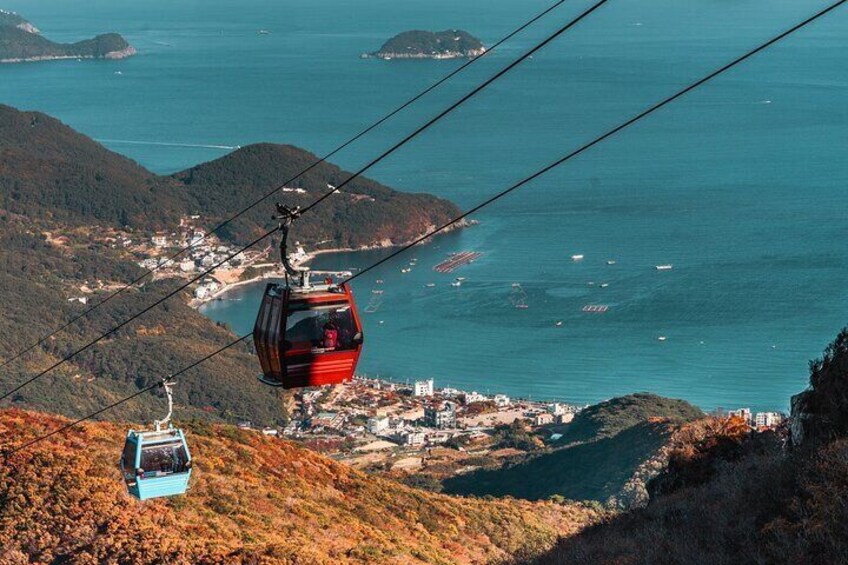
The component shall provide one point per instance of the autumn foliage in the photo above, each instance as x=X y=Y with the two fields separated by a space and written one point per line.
x=252 y=500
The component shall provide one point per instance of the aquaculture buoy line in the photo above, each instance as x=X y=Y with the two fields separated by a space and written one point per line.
x=476 y=90
x=486 y=202
x=311 y=166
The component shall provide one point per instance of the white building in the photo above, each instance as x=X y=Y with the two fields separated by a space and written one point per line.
x=441 y=416
x=557 y=409
x=744 y=413
x=543 y=419
x=474 y=396
x=423 y=388
x=187 y=266
x=768 y=419
x=411 y=437
x=160 y=240
x=501 y=400
x=206 y=290
x=378 y=425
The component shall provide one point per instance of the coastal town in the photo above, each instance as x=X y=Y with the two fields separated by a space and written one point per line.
x=381 y=425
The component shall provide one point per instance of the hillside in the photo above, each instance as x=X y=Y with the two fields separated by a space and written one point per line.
x=608 y=418
x=753 y=498
x=608 y=451
x=416 y=44
x=363 y=213
x=62 y=196
x=47 y=170
x=252 y=500
x=20 y=41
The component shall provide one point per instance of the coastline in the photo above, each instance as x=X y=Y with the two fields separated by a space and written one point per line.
x=125 y=53
x=388 y=56
x=307 y=258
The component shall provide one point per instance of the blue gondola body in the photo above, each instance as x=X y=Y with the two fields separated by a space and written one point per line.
x=156 y=463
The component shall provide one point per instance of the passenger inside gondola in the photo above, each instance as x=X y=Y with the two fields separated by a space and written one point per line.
x=164 y=459
x=329 y=327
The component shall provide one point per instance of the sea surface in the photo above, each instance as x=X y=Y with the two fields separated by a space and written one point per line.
x=742 y=185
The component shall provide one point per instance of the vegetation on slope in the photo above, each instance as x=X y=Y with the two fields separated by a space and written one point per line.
x=591 y=471
x=47 y=170
x=252 y=499
x=20 y=41
x=36 y=277
x=54 y=180
x=607 y=419
x=608 y=444
x=363 y=213
x=742 y=498
x=418 y=43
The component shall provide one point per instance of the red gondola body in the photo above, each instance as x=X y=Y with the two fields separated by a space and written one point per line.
x=307 y=338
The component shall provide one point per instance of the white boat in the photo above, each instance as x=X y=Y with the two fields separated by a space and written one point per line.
x=662 y=338
x=604 y=285
x=559 y=324
x=665 y=267
x=611 y=262
x=456 y=283
x=379 y=281
x=430 y=285
x=405 y=270
x=577 y=257
x=460 y=279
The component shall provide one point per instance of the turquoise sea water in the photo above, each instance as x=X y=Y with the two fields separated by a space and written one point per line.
x=741 y=185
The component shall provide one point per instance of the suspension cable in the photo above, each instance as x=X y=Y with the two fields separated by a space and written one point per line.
x=540 y=172
x=315 y=163
x=362 y=170
x=159 y=383
x=599 y=139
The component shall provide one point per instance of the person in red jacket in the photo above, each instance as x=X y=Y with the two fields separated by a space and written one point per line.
x=331 y=335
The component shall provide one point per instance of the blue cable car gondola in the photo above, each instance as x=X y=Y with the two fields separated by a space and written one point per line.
x=157 y=462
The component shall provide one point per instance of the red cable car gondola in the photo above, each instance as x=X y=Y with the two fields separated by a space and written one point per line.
x=306 y=335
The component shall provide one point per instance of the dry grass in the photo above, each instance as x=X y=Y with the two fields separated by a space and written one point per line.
x=252 y=500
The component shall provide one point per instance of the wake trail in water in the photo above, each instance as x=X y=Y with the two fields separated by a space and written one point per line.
x=169 y=144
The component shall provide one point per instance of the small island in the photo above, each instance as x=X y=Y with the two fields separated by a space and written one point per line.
x=21 y=42
x=448 y=44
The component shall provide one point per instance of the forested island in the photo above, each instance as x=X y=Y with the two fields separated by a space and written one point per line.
x=22 y=42
x=448 y=44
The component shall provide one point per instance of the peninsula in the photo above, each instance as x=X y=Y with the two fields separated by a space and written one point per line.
x=448 y=44
x=22 y=42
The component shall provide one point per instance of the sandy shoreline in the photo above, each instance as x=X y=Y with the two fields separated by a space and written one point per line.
x=279 y=273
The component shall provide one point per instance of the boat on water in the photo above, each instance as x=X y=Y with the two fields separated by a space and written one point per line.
x=558 y=324
x=379 y=281
x=611 y=262
x=667 y=267
x=577 y=257
x=264 y=32
x=405 y=270
x=456 y=283
x=604 y=285
x=376 y=292
x=662 y=338
x=430 y=285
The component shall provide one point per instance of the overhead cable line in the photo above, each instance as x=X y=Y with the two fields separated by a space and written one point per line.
x=263 y=198
x=157 y=384
x=599 y=139
x=540 y=172
x=362 y=170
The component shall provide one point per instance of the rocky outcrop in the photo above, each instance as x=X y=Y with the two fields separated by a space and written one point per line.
x=820 y=413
